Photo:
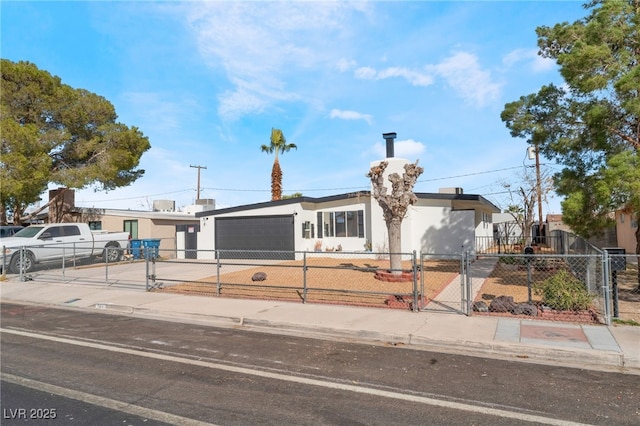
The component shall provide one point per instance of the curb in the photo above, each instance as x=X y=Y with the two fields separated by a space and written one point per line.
x=577 y=358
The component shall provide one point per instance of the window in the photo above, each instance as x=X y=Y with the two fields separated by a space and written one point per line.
x=352 y=224
x=70 y=230
x=328 y=224
x=308 y=230
x=131 y=226
x=95 y=226
x=341 y=224
x=341 y=229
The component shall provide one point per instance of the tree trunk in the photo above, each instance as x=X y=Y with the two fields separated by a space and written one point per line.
x=276 y=181
x=395 y=245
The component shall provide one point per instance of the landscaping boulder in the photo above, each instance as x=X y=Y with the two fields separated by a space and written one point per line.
x=526 y=309
x=259 y=276
x=502 y=304
x=480 y=306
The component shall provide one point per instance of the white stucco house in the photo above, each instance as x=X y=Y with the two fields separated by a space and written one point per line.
x=439 y=223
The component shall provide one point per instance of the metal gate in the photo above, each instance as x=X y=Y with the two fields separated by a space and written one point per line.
x=444 y=282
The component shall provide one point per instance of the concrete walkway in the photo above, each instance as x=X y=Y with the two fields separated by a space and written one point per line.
x=599 y=347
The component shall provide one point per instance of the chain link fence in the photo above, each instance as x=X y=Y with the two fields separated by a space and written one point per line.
x=73 y=263
x=339 y=277
x=488 y=284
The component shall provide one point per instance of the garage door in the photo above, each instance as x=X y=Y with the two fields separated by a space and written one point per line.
x=264 y=234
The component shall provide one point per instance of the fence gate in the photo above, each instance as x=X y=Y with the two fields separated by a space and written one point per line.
x=444 y=283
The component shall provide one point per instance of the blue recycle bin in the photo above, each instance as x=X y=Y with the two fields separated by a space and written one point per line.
x=152 y=247
x=135 y=247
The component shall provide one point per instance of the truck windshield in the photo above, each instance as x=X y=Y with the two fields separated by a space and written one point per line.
x=28 y=232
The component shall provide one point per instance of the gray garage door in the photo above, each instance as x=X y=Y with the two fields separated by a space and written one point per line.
x=265 y=234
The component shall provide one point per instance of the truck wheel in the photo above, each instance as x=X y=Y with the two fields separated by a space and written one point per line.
x=26 y=265
x=112 y=253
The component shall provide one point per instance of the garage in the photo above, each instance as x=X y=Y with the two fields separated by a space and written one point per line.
x=265 y=234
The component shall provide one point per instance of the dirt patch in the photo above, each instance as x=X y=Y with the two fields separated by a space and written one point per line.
x=328 y=280
x=511 y=280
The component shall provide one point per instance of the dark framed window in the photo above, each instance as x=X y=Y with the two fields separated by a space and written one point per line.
x=348 y=223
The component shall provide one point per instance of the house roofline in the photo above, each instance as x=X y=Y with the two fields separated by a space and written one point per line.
x=144 y=214
x=313 y=200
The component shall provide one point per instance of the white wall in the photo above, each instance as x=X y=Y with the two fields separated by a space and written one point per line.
x=347 y=243
x=439 y=230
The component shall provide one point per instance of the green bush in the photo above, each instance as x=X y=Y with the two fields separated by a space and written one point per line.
x=564 y=292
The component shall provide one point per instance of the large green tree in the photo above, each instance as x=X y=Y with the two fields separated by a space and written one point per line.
x=53 y=133
x=278 y=144
x=590 y=125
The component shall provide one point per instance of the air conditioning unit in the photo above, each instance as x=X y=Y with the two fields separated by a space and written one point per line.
x=457 y=191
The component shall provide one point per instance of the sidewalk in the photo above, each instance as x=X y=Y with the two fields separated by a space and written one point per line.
x=612 y=348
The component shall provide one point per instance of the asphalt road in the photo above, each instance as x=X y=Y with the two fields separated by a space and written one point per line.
x=158 y=372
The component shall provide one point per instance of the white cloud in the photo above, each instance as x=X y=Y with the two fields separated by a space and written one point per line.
x=350 y=115
x=463 y=73
x=415 y=78
x=537 y=62
x=345 y=64
x=408 y=149
x=265 y=43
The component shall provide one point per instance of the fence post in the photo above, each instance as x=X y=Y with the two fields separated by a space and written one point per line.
x=304 y=277
x=218 y=272
x=64 y=258
x=414 y=263
x=22 y=257
x=462 y=280
x=106 y=265
x=466 y=282
x=4 y=263
x=606 y=289
x=421 y=269
x=146 y=270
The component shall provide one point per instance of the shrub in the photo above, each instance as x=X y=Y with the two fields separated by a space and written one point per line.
x=564 y=292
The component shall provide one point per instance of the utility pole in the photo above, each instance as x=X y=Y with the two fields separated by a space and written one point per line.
x=534 y=153
x=539 y=189
x=198 y=167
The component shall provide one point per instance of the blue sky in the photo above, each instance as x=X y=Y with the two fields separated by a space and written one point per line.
x=206 y=82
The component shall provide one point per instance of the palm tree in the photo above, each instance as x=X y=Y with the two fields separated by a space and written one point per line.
x=278 y=145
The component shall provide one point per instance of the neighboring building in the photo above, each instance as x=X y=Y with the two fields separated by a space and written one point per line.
x=176 y=231
x=626 y=228
x=555 y=223
x=506 y=229
x=444 y=222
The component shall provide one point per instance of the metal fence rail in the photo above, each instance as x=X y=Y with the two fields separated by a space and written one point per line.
x=354 y=278
x=453 y=283
x=113 y=267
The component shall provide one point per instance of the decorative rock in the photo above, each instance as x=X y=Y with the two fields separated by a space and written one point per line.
x=526 y=309
x=259 y=276
x=480 y=306
x=502 y=304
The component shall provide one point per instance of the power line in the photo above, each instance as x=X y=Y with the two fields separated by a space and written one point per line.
x=472 y=174
x=135 y=198
x=346 y=188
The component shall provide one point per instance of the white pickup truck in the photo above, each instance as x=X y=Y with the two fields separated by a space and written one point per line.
x=55 y=241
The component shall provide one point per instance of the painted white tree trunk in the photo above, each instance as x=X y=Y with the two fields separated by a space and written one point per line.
x=395 y=245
